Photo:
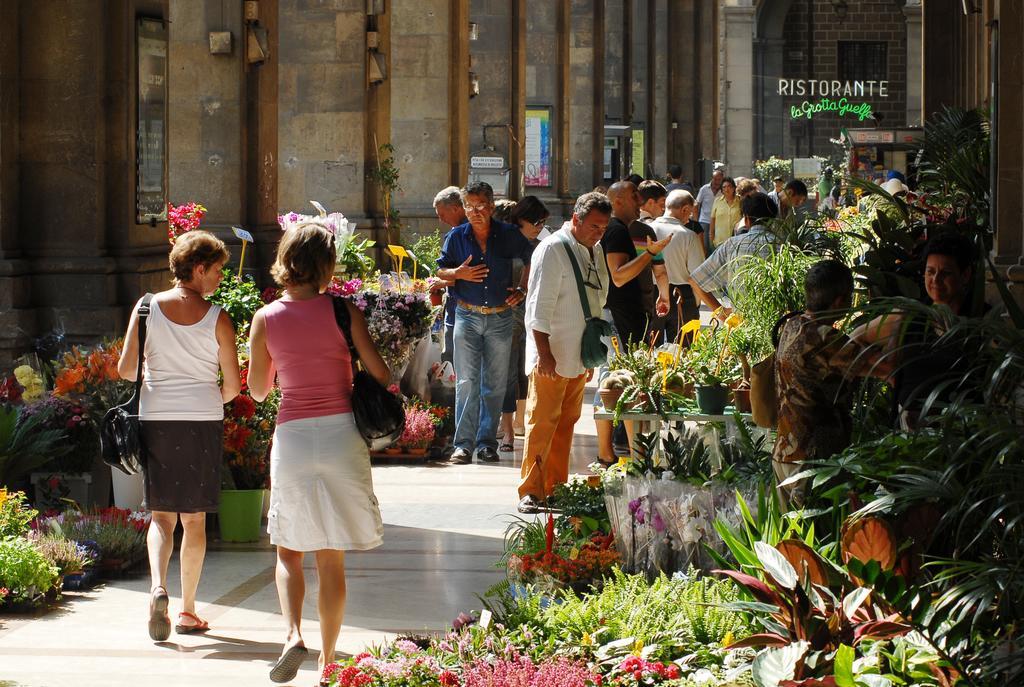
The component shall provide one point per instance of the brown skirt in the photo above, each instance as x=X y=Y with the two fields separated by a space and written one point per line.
x=182 y=465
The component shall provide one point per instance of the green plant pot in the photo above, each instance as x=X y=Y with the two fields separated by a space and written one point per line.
x=239 y=514
x=712 y=399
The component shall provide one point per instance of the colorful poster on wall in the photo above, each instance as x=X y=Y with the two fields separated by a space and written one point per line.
x=636 y=165
x=538 y=147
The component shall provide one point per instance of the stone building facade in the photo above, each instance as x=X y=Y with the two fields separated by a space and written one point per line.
x=272 y=103
x=776 y=55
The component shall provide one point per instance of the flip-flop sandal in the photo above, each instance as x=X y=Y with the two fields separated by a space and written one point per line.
x=159 y=622
x=287 y=667
x=506 y=448
x=197 y=626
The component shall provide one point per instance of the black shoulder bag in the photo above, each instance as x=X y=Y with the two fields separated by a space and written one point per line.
x=379 y=414
x=119 y=430
x=593 y=352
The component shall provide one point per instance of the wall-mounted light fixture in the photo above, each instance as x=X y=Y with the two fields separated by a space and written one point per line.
x=474 y=31
x=474 y=85
x=841 y=8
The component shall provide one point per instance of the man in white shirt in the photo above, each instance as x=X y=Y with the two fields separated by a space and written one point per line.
x=705 y=200
x=683 y=255
x=718 y=272
x=555 y=321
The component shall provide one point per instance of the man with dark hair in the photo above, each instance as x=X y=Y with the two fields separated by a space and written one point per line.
x=705 y=201
x=792 y=197
x=677 y=182
x=716 y=274
x=635 y=179
x=652 y=200
x=477 y=256
x=814 y=364
x=448 y=208
x=555 y=323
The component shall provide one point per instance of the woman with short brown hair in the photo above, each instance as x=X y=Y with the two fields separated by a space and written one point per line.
x=321 y=491
x=189 y=343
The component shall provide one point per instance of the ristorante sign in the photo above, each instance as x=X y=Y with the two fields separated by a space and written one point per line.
x=823 y=88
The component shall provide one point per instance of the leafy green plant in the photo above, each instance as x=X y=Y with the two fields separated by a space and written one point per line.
x=15 y=514
x=354 y=260
x=427 y=249
x=385 y=175
x=766 y=170
x=25 y=573
x=582 y=509
x=239 y=299
x=26 y=443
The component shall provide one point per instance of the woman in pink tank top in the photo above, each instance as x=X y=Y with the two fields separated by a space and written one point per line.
x=321 y=491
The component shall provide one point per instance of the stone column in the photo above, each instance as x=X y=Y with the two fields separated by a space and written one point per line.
x=1009 y=227
x=738 y=87
x=420 y=125
x=915 y=61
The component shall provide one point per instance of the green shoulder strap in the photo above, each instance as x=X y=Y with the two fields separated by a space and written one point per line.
x=584 y=301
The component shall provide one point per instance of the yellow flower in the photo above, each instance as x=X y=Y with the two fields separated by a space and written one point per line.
x=587 y=639
x=3 y=495
x=734 y=320
x=727 y=639
x=638 y=647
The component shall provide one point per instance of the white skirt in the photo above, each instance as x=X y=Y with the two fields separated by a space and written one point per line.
x=321 y=489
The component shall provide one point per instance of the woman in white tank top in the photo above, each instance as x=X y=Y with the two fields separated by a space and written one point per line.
x=189 y=342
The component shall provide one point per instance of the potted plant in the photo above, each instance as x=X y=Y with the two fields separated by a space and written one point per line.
x=66 y=476
x=419 y=429
x=712 y=393
x=248 y=430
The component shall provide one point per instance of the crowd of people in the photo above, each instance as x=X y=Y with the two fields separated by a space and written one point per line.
x=643 y=258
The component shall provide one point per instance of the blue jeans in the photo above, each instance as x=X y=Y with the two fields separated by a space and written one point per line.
x=482 y=347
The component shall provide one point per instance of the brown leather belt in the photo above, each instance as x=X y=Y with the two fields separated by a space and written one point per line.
x=483 y=309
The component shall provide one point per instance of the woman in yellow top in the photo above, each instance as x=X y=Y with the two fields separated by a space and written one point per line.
x=725 y=213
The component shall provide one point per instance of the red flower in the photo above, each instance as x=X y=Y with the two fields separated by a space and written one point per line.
x=448 y=679
x=672 y=672
x=243 y=406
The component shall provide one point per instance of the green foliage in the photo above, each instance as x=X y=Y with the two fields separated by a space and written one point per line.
x=767 y=523
x=385 y=175
x=955 y=169
x=766 y=170
x=116 y=540
x=239 y=299
x=24 y=572
x=523 y=537
x=15 y=514
x=770 y=287
x=427 y=249
x=354 y=261
x=582 y=509
x=668 y=617
x=26 y=443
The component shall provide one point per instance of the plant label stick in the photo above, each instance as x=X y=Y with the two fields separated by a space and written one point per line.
x=246 y=240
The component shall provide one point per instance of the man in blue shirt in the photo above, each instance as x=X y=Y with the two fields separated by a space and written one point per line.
x=477 y=256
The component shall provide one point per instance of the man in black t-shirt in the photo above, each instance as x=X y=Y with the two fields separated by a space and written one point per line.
x=628 y=266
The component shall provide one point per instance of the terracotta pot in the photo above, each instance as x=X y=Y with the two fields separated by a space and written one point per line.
x=436 y=297
x=418 y=451
x=742 y=398
x=393 y=450
x=609 y=397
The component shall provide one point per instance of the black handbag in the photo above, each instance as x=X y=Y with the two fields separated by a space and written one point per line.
x=119 y=431
x=379 y=414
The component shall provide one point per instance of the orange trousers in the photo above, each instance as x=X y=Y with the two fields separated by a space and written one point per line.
x=552 y=408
